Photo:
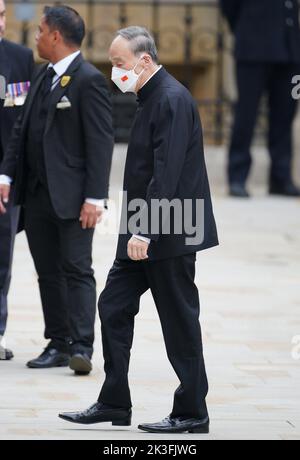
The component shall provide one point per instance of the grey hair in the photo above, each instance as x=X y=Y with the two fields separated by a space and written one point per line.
x=140 y=41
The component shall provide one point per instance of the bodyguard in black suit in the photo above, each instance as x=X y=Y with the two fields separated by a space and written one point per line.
x=165 y=161
x=267 y=52
x=16 y=66
x=60 y=158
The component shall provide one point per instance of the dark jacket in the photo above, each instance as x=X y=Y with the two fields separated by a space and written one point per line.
x=165 y=160
x=78 y=141
x=264 y=30
x=16 y=65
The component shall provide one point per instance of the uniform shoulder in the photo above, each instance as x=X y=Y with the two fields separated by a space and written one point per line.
x=175 y=92
x=16 y=49
x=90 y=71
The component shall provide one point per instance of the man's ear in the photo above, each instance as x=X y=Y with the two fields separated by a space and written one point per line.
x=147 y=59
x=57 y=36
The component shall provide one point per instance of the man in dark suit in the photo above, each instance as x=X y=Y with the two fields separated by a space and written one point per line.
x=267 y=52
x=59 y=158
x=165 y=164
x=16 y=66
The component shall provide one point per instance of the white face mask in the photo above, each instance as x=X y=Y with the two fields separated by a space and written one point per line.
x=125 y=80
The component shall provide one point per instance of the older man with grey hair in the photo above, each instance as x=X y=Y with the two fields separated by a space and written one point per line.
x=165 y=163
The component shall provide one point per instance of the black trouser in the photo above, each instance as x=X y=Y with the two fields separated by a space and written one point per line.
x=8 y=229
x=176 y=297
x=253 y=79
x=61 y=251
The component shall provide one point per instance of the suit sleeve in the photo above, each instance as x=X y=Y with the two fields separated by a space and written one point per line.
x=171 y=138
x=98 y=136
x=9 y=164
x=230 y=10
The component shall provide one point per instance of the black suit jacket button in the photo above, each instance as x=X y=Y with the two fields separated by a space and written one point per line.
x=288 y=4
x=290 y=22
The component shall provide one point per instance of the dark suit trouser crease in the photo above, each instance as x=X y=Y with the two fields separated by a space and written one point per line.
x=8 y=229
x=171 y=282
x=253 y=79
x=61 y=251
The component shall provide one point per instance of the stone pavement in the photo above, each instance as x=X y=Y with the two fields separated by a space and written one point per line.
x=250 y=300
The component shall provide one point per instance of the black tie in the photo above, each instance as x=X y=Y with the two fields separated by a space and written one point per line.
x=48 y=81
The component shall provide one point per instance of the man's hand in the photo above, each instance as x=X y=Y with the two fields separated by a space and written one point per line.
x=137 y=249
x=4 y=197
x=90 y=215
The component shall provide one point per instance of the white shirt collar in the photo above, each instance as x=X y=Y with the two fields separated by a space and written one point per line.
x=159 y=67
x=61 y=66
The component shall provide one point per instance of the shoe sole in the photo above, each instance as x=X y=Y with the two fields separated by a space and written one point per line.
x=200 y=430
x=5 y=354
x=125 y=422
x=80 y=366
x=61 y=364
x=285 y=195
x=237 y=195
x=7 y=358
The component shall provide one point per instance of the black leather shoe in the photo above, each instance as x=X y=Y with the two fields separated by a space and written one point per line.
x=49 y=358
x=238 y=190
x=288 y=189
x=99 y=413
x=5 y=354
x=81 y=364
x=177 y=425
